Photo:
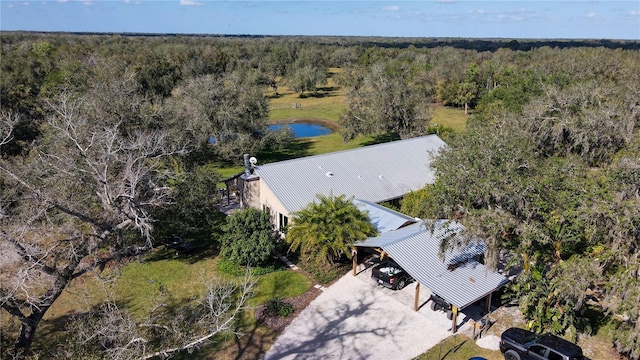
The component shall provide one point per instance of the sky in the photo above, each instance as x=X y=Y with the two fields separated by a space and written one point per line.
x=519 y=19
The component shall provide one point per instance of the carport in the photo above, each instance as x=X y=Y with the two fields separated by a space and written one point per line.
x=455 y=275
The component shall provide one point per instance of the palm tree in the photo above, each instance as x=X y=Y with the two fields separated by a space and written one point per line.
x=325 y=229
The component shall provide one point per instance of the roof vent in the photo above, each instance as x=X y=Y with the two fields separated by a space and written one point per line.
x=320 y=167
x=329 y=174
x=381 y=177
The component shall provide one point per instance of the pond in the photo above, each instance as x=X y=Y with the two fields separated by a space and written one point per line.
x=302 y=129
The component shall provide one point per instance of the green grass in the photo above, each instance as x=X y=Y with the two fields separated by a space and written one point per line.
x=329 y=110
x=138 y=286
x=280 y=284
x=327 y=104
x=449 y=117
x=142 y=283
x=459 y=347
x=227 y=172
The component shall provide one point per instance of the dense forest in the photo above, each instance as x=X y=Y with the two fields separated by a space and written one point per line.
x=105 y=148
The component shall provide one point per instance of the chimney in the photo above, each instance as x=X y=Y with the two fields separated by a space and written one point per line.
x=247 y=166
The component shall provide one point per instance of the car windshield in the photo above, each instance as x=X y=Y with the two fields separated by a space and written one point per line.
x=531 y=338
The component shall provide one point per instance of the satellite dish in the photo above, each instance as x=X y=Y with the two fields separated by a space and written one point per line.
x=253 y=160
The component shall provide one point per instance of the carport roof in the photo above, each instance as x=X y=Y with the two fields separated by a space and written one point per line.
x=456 y=277
x=383 y=218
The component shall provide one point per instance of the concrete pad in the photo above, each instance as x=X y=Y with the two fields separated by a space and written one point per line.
x=490 y=342
x=356 y=319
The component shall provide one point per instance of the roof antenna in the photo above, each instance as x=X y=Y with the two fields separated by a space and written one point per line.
x=247 y=167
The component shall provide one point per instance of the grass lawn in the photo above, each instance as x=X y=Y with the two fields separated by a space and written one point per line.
x=459 y=347
x=327 y=103
x=449 y=117
x=282 y=284
x=163 y=276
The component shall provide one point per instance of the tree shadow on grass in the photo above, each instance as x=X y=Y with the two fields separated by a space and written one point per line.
x=252 y=343
x=382 y=138
x=200 y=249
x=296 y=149
x=328 y=89
x=206 y=244
x=453 y=350
x=322 y=92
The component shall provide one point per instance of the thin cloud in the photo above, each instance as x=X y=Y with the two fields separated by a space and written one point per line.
x=634 y=13
x=518 y=15
x=446 y=1
x=391 y=8
x=130 y=2
x=591 y=15
x=190 y=3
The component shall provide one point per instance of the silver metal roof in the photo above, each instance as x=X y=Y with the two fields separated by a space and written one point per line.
x=417 y=249
x=384 y=219
x=390 y=237
x=372 y=173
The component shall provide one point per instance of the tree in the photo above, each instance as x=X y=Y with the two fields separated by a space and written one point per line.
x=588 y=119
x=468 y=89
x=553 y=186
x=307 y=78
x=156 y=75
x=466 y=94
x=112 y=332
x=80 y=198
x=229 y=110
x=193 y=202
x=249 y=238
x=615 y=219
x=386 y=102
x=323 y=231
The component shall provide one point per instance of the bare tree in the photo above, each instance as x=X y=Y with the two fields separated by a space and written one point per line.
x=80 y=198
x=114 y=333
x=7 y=122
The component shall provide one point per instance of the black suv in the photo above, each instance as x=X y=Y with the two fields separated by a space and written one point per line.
x=391 y=275
x=520 y=344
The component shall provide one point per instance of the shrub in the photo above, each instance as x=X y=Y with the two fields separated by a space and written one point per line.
x=248 y=238
x=278 y=307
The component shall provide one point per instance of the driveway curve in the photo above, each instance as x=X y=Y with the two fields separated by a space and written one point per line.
x=355 y=319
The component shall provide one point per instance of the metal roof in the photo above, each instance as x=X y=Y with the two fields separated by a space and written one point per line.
x=456 y=276
x=372 y=173
x=384 y=219
x=390 y=237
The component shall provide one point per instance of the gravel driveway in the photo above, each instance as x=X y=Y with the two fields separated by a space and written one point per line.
x=355 y=319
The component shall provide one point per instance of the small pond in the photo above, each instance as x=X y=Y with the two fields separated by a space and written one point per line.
x=302 y=129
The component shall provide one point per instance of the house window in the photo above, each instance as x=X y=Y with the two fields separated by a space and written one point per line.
x=283 y=221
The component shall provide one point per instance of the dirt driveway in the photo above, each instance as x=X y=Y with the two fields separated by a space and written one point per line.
x=356 y=319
